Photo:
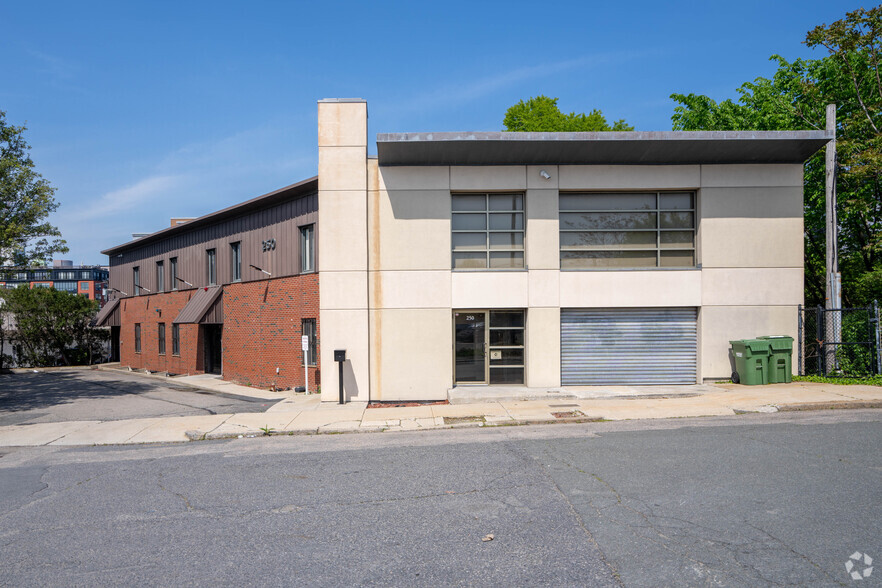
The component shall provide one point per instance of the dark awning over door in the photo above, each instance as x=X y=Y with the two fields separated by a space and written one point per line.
x=109 y=315
x=203 y=307
x=628 y=346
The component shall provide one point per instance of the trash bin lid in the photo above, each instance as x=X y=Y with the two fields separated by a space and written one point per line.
x=757 y=345
x=779 y=342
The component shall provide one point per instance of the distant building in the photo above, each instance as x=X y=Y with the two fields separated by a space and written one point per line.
x=89 y=281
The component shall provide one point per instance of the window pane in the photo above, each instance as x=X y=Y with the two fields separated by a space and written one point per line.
x=608 y=240
x=608 y=220
x=676 y=239
x=606 y=259
x=469 y=222
x=469 y=241
x=506 y=260
x=677 y=201
x=676 y=220
x=508 y=357
x=677 y=259
x=615 y=201
x=505 y=221
x=506 y=240
x=469 y=260
x=506 y=375
x=507 y=337
x=469 y=202
x=506 y=202
x=506 y=318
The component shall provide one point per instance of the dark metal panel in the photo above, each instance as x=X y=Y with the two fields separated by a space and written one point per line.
x=279 y=221
x=628 y=346
x=199 y=305
x=215 y=313
x=109 y=315
x=624 y=148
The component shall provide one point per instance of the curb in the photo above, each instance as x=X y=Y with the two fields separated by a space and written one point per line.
x=837 y=405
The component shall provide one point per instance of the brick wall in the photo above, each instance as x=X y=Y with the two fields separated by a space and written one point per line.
x=143 y=310
x=262 y=329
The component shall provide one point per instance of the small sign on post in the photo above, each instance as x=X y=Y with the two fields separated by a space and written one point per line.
x=304 y=344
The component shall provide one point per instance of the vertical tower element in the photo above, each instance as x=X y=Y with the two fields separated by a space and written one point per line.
x=342 y=245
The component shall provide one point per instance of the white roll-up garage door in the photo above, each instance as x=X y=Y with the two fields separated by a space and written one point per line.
x=628 y=346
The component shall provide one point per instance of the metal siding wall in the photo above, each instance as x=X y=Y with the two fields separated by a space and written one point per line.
x=279 y=222
x=628 y=346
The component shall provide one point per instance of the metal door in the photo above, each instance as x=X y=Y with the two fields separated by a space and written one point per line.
x=628 y=346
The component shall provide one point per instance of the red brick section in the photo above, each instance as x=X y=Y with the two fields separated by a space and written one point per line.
x=143 y=310
x=262 y=329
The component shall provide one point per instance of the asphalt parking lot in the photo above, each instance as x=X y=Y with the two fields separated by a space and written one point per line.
x=84 y=394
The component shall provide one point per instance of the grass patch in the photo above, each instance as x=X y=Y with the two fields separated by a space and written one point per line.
x=863 y=381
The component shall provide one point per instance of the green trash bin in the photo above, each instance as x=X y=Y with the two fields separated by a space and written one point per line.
x=780 y=358
x=751 y=361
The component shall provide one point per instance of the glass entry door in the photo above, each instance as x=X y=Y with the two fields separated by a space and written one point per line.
x=489 y=346
x=470 y=347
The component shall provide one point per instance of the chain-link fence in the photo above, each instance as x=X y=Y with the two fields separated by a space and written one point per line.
x=839 y=341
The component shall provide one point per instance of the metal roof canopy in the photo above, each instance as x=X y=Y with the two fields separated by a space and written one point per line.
x=620 y=148
x=199 y=305
x=108 y=316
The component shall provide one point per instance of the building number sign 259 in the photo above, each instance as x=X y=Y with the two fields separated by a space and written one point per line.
x=269 y=245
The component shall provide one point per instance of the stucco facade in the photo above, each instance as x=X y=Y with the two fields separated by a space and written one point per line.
x=389 y=291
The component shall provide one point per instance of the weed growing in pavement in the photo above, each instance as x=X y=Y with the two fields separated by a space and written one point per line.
x=267 y=430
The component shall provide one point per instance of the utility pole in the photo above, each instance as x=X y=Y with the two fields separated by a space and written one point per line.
x=833 y=299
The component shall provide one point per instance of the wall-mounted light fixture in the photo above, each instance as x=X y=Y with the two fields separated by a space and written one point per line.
x=117 y=290
x=260 y=270
x=185 y=281
x=545 y=174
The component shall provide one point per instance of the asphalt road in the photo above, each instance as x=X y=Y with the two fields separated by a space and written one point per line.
x=781 y=499
x=79 y=394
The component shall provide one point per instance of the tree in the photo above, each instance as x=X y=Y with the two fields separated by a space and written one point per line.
x=53 y=326
x=26 y=199
x=796 y=98
x=541 y=114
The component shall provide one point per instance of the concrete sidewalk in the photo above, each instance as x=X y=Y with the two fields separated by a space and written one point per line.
x=306 y=414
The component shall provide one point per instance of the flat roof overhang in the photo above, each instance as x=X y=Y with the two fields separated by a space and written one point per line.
x=610 y=148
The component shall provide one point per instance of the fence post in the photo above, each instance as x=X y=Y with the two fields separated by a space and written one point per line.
x=800 y=365
x=821 y=318
x=878 y=347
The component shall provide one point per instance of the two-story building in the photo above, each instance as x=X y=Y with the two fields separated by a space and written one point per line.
x=232 y=292
x=536 y=260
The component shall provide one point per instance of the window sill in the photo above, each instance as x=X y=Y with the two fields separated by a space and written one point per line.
x=634 y=269
x=489 y=269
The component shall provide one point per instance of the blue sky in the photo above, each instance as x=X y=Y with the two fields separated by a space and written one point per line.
x=139 y=112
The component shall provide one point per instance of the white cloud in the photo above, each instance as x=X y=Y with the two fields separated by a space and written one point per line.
x=474 y=89
x=127 y=198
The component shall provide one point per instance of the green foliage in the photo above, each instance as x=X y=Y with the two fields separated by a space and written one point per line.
x=868 y=288
x=796 y=98
x=865 y=381
x=53 y=326
x=25 y=203
x=541 y=114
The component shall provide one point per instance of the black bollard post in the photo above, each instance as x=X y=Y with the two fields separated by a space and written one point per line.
x=340 y=357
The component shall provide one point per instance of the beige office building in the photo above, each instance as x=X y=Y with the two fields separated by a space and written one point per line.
x=547 y=260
